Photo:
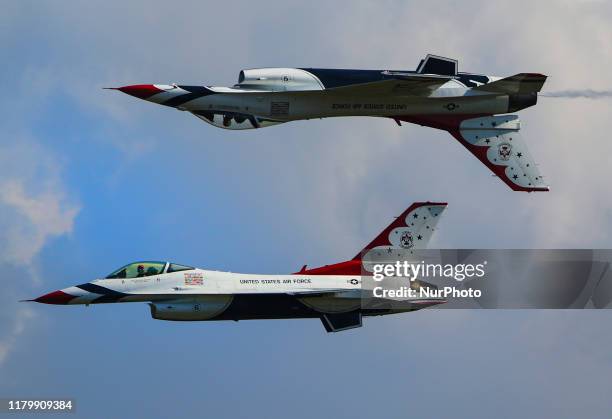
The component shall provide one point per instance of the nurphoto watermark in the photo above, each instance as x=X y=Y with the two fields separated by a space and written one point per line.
x=394 y=278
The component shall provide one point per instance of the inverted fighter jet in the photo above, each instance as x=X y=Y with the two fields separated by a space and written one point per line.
x=333 y=293
x=473 y=108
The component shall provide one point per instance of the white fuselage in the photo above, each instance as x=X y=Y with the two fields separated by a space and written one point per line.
x=273 y=107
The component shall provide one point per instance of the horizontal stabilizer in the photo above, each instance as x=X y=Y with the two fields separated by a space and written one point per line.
x=337 y=322
x=523 y=83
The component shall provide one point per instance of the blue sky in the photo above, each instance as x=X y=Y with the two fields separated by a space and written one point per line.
x=92 y=179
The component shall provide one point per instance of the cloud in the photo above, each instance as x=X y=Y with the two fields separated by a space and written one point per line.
x=567 y=139
x=331 y=185
x=366 y=170
x=40 y=217
x=34 y=206
x=34 y=209
x=13 y=328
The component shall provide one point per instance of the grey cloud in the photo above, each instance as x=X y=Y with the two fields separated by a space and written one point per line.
x=33 y=202
x=14 y=326
x=342 y=180
x=34 y=208
x=367 y=170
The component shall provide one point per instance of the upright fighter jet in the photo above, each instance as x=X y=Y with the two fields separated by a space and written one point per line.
x=333 y=293
x=436 y=95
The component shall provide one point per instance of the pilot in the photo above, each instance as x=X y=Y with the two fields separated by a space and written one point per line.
x=151 y=271
x=141 y=271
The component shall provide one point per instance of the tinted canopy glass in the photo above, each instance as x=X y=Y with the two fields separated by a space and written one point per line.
x=175 y=267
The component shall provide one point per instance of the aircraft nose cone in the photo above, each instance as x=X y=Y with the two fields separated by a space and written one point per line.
x=55 y=297
x=141 y=91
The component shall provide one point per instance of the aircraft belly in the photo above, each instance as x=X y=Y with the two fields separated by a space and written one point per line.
x=283 y=306
x=266 y=306
x=385 y=107
x=331 y=304
x=240 y=103
x=283 y=106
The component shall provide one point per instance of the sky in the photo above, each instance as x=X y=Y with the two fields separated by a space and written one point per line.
x=92 y=179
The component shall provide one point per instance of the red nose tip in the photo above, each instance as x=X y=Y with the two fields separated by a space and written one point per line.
x=141 y=91
x=55 y=297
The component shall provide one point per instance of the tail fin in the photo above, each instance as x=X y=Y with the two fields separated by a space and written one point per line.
x=411 y=230
x=522 y=83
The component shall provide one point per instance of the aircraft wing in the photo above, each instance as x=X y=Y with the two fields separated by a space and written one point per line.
x=408 y=84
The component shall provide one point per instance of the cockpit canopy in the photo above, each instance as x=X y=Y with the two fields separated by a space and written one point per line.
x=147 y=268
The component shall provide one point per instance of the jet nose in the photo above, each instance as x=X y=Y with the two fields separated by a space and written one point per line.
x=141 y=91
x=55 y=297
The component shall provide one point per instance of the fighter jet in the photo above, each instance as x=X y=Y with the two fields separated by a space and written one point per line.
x=473 y=108
x=333 y=293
